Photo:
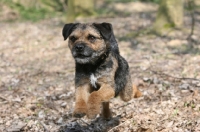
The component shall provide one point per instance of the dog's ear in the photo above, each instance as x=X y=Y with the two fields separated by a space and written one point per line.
x=105 y=29
x=67 y=29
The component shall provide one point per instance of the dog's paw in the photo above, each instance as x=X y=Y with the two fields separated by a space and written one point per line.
x=93 y=111
x=92 y=115
x=78 y=113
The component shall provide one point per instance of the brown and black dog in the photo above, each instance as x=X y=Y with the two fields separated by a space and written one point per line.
x=101 y=73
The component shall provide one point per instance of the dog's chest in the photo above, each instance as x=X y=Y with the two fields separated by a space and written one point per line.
x=93 y=80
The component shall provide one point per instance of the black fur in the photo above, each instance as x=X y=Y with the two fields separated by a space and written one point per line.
x=121 y=74
x=85 y=70
x=106 y=31
x=67 y=30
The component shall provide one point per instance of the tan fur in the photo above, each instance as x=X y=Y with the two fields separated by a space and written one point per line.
x=88 y=99
x=105 y=93
x=82 y=94
x=82 y=37
x=136 y=92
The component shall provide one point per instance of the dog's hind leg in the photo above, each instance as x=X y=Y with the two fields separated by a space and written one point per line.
x=130 y=91
x=136 y=92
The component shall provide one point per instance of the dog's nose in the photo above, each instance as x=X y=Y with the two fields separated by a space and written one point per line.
x=79 y=47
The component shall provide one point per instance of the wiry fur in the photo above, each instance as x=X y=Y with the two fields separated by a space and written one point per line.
x=101 y=72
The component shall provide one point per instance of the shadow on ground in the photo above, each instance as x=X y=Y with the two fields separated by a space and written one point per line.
x=98 y=125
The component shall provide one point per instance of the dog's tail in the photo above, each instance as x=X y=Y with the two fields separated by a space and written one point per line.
x=136 y=92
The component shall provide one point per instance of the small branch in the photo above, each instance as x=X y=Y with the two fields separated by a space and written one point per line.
x=84 y=122
x=123 y=105
x=44 y=126
x=111 y=130
x=164 y=74
x=179 y=78
x=3 y=98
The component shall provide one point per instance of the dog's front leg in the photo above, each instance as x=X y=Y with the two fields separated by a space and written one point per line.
x=82 y=94
x=104 y=94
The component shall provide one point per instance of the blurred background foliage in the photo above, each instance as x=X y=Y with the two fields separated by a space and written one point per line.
x=39 y=9
x=33 y=10
x=169 y=14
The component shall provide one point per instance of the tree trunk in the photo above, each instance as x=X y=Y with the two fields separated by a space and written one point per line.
x=169 y=15
x=79 y=8
x=197 y=2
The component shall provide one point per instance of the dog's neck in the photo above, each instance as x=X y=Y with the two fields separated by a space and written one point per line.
x=103 y=56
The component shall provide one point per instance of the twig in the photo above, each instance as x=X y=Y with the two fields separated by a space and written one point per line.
x=164 y=74
x=44 y=126
x=4 y=98
x=84 y=122
x=118 y=125
x=179 y=78
x=123 y=105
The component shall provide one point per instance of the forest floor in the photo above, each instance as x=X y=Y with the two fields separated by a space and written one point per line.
x=37 y=77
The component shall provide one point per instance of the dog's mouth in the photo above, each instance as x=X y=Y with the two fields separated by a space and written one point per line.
x=81 y=56
x=82 y=59
x=87 y=55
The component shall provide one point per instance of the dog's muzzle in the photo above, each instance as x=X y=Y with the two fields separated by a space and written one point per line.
x=84 y=54
x=79 y=47
x=81 y=51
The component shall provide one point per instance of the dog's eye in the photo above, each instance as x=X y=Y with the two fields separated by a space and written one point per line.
x=91 y=38
x=73 y=39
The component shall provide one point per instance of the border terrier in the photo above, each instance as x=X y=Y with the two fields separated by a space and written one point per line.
x=101 y=73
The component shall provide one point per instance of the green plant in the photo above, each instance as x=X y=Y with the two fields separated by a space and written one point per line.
x=125 y=1
x=32 y=13
x=154 y=1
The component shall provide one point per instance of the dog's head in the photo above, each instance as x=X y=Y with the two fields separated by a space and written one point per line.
x=88 y=42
